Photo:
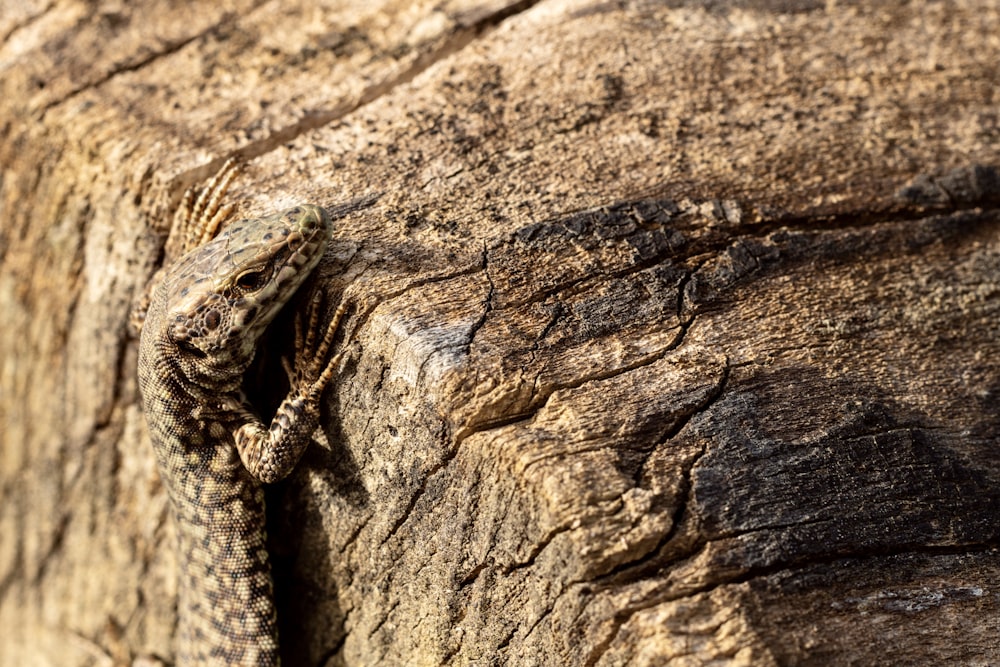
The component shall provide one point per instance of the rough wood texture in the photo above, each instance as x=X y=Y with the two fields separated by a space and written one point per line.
x=676 y=329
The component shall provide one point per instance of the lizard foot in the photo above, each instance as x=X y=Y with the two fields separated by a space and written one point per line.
x=313 y=371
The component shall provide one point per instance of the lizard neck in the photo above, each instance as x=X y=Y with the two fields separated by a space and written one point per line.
x=226 y=605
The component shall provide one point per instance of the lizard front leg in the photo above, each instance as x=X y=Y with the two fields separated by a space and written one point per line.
x=270 y=453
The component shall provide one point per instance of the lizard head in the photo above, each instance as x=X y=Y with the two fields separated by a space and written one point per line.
x=223 y=294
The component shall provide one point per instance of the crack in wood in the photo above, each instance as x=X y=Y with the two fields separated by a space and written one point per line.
x=28 y=21
x=170 y=47
x=456 y=42
x=487 y=302
x=620 y=618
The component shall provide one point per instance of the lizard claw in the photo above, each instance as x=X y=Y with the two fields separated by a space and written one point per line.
x=313 y=370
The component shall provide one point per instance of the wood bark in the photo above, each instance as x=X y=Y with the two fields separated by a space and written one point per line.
x=673 y=335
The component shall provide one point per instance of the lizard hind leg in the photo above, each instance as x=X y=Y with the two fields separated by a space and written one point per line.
x=201 y=212
x=196 y=221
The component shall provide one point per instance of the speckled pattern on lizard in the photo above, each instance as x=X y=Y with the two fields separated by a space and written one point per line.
x=200 y=327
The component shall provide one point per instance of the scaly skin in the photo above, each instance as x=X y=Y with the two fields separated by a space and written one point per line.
x=198 y=336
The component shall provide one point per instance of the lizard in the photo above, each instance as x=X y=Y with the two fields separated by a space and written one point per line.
x=199 y=329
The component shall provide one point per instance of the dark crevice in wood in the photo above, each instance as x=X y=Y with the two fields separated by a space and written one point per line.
x=685 y=317
x=971 y=188
x=498 y=422
x=750 y=574
x=538 y=403
x=538 y=621
x=653 y=560
x=326 y=657
x=350 y=539
x=753 y=573
x=679 y=425
x=472 y=575
x=364 y=314
x=487 y=303
x=645 y=360
x=505 y=642
x=383 y=619
x=449 y=452
x=30 y=20
x=54 y=547
x=558 y=311
x=15 y=571
x=536 y=550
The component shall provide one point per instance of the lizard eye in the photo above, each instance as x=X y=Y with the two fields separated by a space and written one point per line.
x=251 y=280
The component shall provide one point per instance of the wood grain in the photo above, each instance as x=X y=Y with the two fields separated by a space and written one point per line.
x=674 y=333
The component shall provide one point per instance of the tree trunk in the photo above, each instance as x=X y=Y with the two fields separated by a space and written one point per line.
x=673 y=332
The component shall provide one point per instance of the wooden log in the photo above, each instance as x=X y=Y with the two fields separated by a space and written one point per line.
x=673 y=336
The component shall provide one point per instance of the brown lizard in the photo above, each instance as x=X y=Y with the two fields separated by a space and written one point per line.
x=206 y=311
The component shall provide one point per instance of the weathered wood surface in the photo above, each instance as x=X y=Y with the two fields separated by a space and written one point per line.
x=676 y=333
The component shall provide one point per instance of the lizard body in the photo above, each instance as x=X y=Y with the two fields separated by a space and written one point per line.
x=199 y=334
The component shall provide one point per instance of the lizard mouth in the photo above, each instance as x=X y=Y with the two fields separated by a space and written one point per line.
x=191 y=349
